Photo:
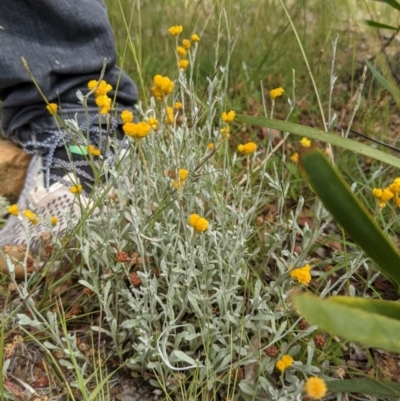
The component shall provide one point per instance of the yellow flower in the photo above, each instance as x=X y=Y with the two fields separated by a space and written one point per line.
x=183 y=174
x=195 y=38
x=53 y=220
x=280 y=366
x=162 y=87
x=181 y=51
x=198 y=223
x=295 y=157
x=211 y=146
x=178 y=184
x=274 y=93
x=183 y=64
x=377 y=192
x=92 y=84
x=175 y=30
x=52 y=108
x=76 y=189
x=177 y=105
x=387 y=194
x=247 y=148
x=92 y=150
x=138 y=131
x=285 y=362
x=394 y=187
x=228 y=117
x=302 y=274
x=104 y=103
x=32 y=217
x=315 y=387
x=153 y=123
x=102 y=89
x=126 y=116
x=226 y=132
x=305 y=142
x=14 y=210
x=186 y=44
x=169 y=118
x=398 y=202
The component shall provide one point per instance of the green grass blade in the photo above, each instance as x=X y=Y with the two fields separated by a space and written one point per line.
x=378 y=25
x=350 y=322
x=387 y=85
x=349 y=212
x=364 y=386
x=392 y=3
x=320 y=135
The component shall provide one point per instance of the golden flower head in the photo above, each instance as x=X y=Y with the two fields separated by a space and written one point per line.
x=175 y=30
x=178 y=184
x=305 y=142
x=32 y=217
x=315 y=387
x=104 y=103
x=102 y=87
x=153 y=123
x=177 y=105
x=181 y=51
x=138 y=131
x=76 y=189
x=247 y=148
x=295 y=157
x=195 y=38
x=92 y=150
x=377 y=192
x=53 y=220
x=211 y=146
x=183 y=64
x=13 y=209
x=302 y=274
x=52 y=108
x=285 y=362
x=162 y=87
x=183 y=174
x=228 y=117
x=169 y=116
x=274 y=93
x=198 y=223
x=186 y=44
x=126 y=116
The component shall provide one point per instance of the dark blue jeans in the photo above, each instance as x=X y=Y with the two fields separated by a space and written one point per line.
x=64 y=43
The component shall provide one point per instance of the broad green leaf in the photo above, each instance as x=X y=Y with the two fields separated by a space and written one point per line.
x=392 y=3
x=349 y=322
x=387 y=85
x=389 y=309
x=365 y=386
x=348 y=211
x=378 y=25
x=320 y=135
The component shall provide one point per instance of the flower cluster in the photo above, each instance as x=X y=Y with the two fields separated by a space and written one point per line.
x=137 y=130
x=76 y=189
x=285 y=362
x=169 y=115
x=386 y=194
x=274 y=93
x=92 y=150
x=175 y=30
x=162 y=86
x=101 y=88
x=301 y=274
x=32 y=217
x=315 y=387
x=227 y=117
x=14 y=210
x=198 y=223
x=247 y=148
x=181 y=180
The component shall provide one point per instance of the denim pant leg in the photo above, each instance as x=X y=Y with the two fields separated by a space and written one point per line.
x=65 y=44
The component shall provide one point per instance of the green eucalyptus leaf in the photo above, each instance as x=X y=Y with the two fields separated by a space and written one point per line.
x=364 y=386
x=350 y=322
x=348 y=211
x=320 y=135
